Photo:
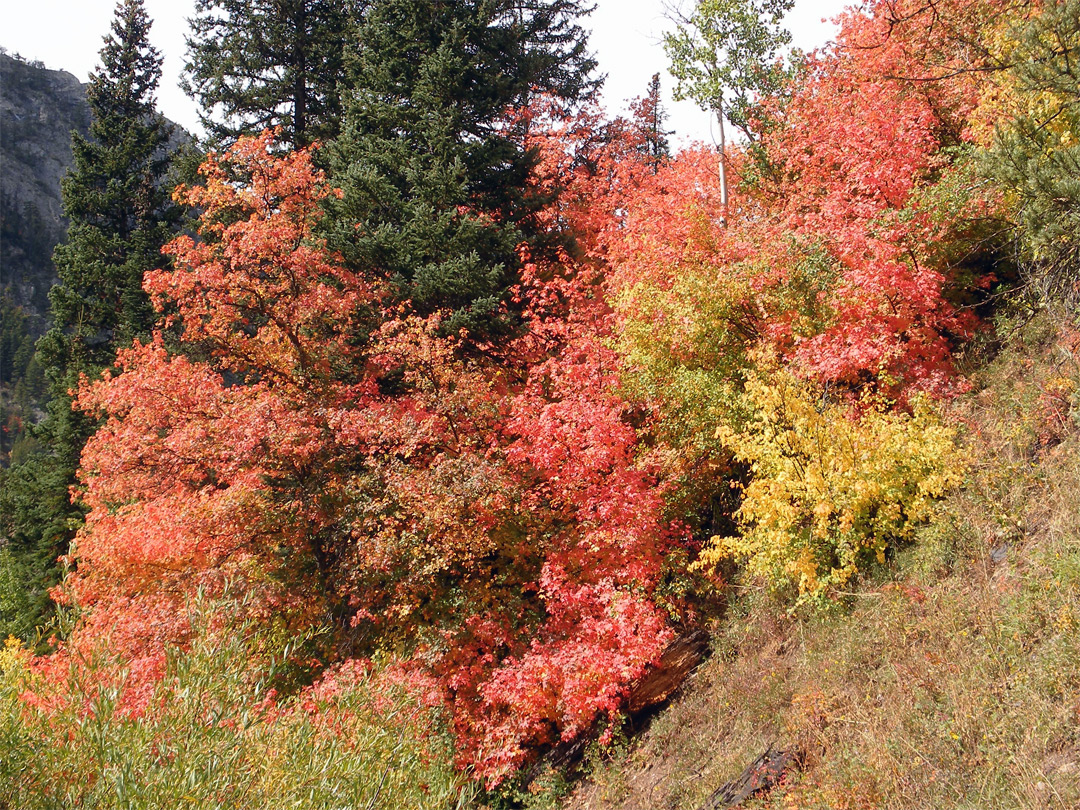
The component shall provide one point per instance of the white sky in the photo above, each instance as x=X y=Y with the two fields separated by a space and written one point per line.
x=67 y=35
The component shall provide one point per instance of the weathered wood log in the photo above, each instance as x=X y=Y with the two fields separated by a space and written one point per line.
x=759 y=776
x=676 y=663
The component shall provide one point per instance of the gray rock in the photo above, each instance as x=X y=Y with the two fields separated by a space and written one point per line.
x=39 y=109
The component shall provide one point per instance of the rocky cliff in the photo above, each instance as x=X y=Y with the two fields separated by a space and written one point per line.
x=39 y=109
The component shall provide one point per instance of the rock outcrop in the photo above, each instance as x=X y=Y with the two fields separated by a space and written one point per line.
x=39 y=109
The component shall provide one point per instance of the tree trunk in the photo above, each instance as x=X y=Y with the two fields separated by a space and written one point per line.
x=723 y=169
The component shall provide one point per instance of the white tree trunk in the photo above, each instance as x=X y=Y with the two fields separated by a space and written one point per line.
x=723 y=169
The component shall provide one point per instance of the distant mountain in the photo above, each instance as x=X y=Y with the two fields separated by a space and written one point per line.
x=39 y=109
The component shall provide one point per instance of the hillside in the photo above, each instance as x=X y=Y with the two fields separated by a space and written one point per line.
x=421 y=458
x=951 y=680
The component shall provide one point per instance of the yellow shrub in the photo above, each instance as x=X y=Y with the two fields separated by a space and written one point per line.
x=829 y=492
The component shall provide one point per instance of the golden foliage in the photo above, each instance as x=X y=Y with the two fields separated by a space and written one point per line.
x=832 y=486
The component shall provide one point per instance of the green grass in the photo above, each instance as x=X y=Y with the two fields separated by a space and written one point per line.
x=204 y=742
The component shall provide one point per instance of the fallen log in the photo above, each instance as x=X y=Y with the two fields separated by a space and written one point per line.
x=761 y=775
x=676 y=663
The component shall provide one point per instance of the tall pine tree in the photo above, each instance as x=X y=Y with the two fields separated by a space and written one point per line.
x=433 y=169
x=120 y=213
x=650 y=117
x=258 y=64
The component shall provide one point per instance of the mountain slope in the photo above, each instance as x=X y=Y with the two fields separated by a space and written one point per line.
x=951 y=682
x=39 y=109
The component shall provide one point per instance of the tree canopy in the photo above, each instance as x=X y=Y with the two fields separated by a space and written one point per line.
x=273 y=64
x=433 y=161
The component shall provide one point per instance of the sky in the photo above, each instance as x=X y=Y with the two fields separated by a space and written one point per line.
x=626 y=38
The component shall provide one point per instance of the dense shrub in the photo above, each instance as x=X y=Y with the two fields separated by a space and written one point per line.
x=832 y=490
x=213 y=734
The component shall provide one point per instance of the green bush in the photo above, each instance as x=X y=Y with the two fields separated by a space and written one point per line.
x=211 y=736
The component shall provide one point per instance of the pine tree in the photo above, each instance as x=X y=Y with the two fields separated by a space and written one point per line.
x=118 y=206
x=258 y=64
x=650 y=118
x=433 y=170
x=120 y=214
x=1036 y=156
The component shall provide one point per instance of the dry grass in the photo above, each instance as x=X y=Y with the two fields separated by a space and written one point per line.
x=952 y=681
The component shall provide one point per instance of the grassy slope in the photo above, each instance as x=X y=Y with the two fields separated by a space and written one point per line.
x=950 y=681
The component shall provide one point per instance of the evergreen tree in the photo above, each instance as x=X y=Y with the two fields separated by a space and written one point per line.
x=17 y=370
x=120 y=216
x=118 y=206
x=432 y=167
x=257 y=64
x=650 y=118
x=1036 y=156
x=16 y=345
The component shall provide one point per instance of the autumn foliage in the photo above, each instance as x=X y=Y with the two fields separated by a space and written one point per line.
x=833 y=491
x=488 y=521
x=855 y=253
x=495 y=518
